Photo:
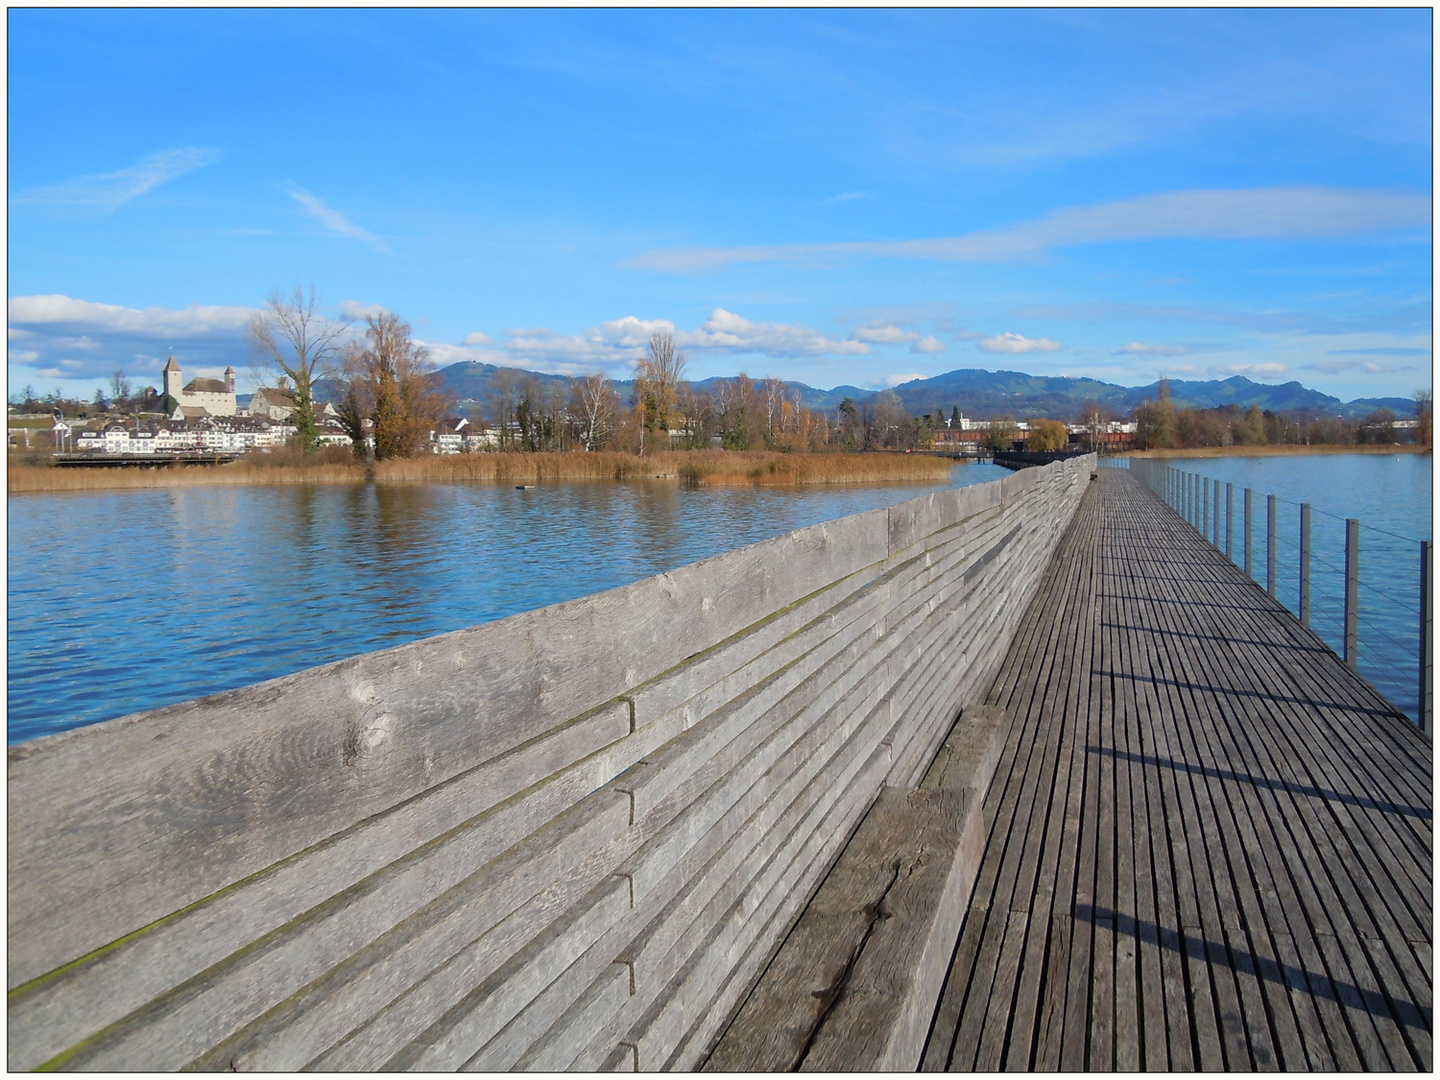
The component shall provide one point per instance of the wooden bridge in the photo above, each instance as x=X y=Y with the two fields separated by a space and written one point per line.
x=1210 y=841
x=725 y=817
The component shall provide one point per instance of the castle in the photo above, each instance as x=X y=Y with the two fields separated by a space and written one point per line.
x=215 y=396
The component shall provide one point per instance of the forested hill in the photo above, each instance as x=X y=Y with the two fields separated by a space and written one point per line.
x=980 y=393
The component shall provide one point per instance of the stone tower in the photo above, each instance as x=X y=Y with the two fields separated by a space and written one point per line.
x=171 y=373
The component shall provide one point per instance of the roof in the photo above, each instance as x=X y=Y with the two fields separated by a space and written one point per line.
x=206 y=386
x=274 y=396
x=171 y=365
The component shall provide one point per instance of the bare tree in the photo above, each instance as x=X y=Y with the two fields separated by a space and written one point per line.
x=299 y=341
x=119 y=387
x=657 y=378
x=595 y=404
x=389 y=377
x=1424 y=415
x=504 y=388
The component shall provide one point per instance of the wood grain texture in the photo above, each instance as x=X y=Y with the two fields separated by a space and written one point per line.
x=1211 y=842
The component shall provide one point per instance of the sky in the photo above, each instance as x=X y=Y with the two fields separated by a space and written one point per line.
x=835 y=197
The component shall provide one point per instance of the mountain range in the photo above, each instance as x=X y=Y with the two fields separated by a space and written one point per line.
x=979 y=393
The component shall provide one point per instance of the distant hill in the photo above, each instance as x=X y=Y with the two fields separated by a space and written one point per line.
x=980 y=393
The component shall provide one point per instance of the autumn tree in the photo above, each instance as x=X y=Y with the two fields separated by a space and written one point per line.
x=389 y=380
x=657 y=380
x=1424 y=412
x=1046 y=436
x=294 y=337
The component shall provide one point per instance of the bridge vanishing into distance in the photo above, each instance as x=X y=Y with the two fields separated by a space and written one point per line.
x=1024 y=775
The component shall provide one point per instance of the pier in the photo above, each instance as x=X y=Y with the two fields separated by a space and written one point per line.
x=1020 y=776
x=1211 y=841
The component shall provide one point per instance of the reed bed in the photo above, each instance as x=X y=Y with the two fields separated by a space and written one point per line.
x=695 y=467
x=1280 y=450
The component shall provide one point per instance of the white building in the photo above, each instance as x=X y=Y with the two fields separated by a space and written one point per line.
x=215 y=396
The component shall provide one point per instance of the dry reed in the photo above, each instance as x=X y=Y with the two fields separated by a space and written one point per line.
x=697 y=467
x=1280 y=450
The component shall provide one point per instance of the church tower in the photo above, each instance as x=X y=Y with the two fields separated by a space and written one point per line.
x=171 y=373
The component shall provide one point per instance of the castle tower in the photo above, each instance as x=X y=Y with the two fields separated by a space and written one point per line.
x=230 y=380
x=171 y=373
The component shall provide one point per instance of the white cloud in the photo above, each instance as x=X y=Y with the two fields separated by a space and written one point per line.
x=726 y=332
x=109 y=191
x=80 y=339
x=475 y=338
x=355 y=310
x=849 y=196
x=1281 y=213
x=1136 y=348
x=1266 y=370
x=930 y=344
x=897 y=380
x=335 y=221
x=1016 y=343
x=883 y=333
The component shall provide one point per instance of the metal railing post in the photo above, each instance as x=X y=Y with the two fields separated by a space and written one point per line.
x=1352 y=593
x=1229 y=519
x=1305 y=564
x=1249 y=531
x=1427 y=586
x=1270 y=544
x=1204 y=507
x=1215 y=518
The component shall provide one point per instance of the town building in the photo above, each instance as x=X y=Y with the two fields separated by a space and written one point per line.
x=215 y=396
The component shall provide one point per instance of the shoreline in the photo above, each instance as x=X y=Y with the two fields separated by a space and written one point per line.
x=699 y=468
x=1277 y=450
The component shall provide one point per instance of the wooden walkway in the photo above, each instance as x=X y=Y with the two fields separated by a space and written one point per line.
x=1210 y=843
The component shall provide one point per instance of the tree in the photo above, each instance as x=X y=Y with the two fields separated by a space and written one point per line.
x=293 y=336
x=388 y=377
x=1047 y=435
x=595 y=404
x=100 y=399
x=1155 y=420
x=119 y=387
x=1424 y=411
x=1250 y=430
x=657 y=377
x=1001 y=435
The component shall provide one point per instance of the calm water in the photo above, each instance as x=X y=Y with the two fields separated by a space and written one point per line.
x=129 y=600
x=1391 y=497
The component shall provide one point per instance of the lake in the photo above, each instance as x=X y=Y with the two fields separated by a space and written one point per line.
x=1391 y=496
x=129 y=600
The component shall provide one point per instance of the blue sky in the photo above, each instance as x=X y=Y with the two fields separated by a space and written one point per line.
x=831 y=196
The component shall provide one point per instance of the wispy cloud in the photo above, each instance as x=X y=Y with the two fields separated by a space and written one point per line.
x=879 y=332
x=900 y=380
x=1016 y=343
x=849 y=196
x=930 y=344
x=1139 y=348
x=1292 y=213
x=109 y=191
x=1381 y=350
x=1369 y=367
x=335 y=221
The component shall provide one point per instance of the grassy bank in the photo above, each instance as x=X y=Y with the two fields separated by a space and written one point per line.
x=699 y=467
x=1279 y=450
